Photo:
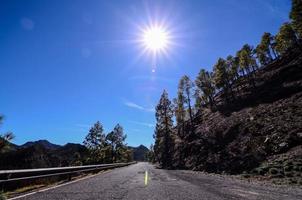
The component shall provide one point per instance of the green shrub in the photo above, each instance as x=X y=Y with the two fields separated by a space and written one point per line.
x=288 y=168
x=288 y=163
x=293 y=181
x=278 y=162
x=296 y=168
x=273 y=171
x=246 y=175
x=289 y=174
x=2 y=197
x=277 y=176
x=259 y=171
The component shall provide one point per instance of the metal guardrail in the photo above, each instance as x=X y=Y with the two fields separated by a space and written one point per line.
x=31 y=174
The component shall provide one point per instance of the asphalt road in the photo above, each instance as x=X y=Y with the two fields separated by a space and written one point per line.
x=129 y=183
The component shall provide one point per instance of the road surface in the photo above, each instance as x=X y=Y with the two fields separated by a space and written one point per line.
x=129 y=183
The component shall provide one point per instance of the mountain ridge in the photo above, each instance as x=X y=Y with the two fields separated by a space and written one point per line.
x=42 y=153
x=44 y=142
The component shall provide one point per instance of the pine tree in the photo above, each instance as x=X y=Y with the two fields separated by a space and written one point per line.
x=95 y=141
x=241 y=67
x=222 y=77
x=185 y=87
x=116 y=140
x=150 y=154
x=163 y=147
x=5 y=138
x=264 y=49
x=95 y=137
x=286 y=38
x=246 y=59
x=205 y=88
x=199 y=101
x=179 y=102
x=261 y=55
x=296 y=17
x=273 y=47
x=247 y=62
x=266 y=46
x=180 y=112
x=233 y=66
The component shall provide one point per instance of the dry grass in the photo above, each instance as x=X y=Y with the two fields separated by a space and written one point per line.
x=39 y=185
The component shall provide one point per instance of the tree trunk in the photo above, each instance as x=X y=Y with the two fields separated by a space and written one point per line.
x=243 y=73
x=190 y=109
x=166 y=148
x=253 y=67
x=112 y=154
x=211 y=101
x=251 y=78
x=269 y=54
x=275 y=53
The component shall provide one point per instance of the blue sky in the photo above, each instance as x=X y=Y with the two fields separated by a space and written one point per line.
x=66 y=64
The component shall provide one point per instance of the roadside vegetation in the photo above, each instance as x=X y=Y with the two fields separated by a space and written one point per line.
x=4 y=138
x=98 y=148
x=107 y=148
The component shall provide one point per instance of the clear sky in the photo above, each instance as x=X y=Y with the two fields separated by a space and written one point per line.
x=64 y=64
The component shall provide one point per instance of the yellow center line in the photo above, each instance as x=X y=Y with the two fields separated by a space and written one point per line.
x=146 y=177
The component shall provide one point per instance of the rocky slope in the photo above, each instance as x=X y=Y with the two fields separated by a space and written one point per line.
x=261 y=123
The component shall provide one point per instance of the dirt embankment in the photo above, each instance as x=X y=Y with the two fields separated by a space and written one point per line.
x=252 y=131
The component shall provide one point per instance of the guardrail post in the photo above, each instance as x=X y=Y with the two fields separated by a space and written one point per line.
x=69 y=177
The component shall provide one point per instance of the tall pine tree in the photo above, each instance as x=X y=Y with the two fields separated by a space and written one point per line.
x=296 y=16
x=5 y=138
x=205 y=89
x=286 y=38
x=186 y=88
x=116 y=139
x=95 y=141
x=222 y=77
x=163 y=135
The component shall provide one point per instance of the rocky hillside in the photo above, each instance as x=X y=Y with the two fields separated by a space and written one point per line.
x=262 y=123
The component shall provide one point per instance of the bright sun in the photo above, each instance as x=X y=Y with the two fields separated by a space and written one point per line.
x=155 y=38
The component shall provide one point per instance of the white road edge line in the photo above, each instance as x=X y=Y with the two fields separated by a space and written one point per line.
x=56 y=186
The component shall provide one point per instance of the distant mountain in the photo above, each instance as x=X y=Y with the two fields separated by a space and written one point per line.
x=45 y=143
x=139 y=153
x=42 y=153
x=33 y=156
